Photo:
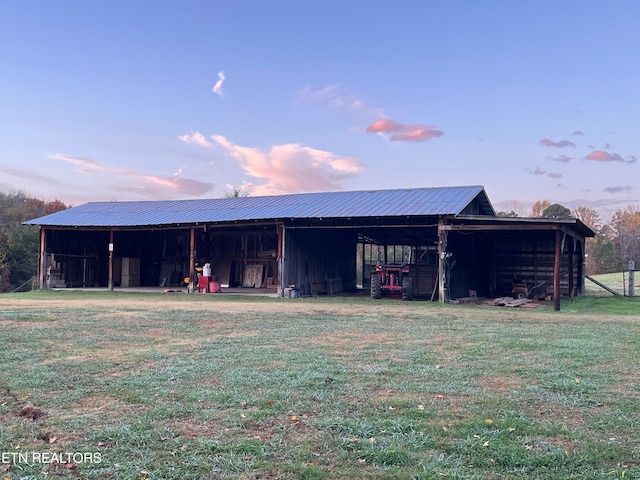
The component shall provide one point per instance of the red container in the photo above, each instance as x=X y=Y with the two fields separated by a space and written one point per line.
x=203 y=284
x=214 y=287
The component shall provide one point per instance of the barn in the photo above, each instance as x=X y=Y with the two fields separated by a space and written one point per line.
x=453 y=243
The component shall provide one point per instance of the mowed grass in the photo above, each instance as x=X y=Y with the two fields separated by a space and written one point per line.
x=617 y=281
x=218 y=387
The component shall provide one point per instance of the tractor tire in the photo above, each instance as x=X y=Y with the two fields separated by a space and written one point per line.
x=376 y=286
x=520 y=294
x=407 y=288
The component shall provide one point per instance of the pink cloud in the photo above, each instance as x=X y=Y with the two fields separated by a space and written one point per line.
x=404 y=133
x=416 y=133
x=602 y=156
x=384 y=125
x=291 y=168
x=87 y=164
x=561 y=144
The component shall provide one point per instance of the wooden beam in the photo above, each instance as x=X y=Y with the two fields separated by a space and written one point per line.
x=556 y=271
x=601 y=285
x=499 y=228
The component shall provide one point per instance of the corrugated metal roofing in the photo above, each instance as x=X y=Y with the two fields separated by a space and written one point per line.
x=372 y=203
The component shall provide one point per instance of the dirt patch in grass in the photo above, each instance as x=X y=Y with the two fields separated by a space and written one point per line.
x=498 y=384
x=31 y=412
x=342 y=339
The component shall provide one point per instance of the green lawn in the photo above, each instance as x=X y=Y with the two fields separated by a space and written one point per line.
x=153 y=386
x=617 y=281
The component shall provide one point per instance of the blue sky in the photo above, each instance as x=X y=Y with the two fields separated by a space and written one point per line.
x=142 y=100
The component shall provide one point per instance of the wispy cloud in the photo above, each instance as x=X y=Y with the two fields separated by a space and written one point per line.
x=561 y=159
x=29 y=175
x=619 y=189
x=336 y=98
x=540 y=171
x=196 y=138
x=291 y=168
x=404 y=133
x=577 y=133
x=86 y=164
x=561 y=144
x=217 y=88
x=602 y=156
x=152 y=186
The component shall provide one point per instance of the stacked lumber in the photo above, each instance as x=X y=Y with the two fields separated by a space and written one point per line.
x=510 y=301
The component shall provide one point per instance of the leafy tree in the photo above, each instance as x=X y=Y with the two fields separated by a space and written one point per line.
x=625 y=227
x=590 y=217
x=539 y=207
x=510 y=214
x=593 y=246
x=556 y=211
x=22 y=257
x=19 y=243
x=4 y=268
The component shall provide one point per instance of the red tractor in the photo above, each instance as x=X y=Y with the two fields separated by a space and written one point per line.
x=391 y=279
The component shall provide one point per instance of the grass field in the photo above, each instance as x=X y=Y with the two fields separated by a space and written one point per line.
x=617 y=281
x=153 y=386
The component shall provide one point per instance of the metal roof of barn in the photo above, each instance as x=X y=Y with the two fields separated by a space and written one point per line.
x=371 y=203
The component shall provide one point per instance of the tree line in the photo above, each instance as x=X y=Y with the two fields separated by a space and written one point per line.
x=617 y=242
x=19 y=243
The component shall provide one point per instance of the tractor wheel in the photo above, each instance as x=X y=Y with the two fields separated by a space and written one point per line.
x=376 y=286
x=520 y=294
x=407 y=288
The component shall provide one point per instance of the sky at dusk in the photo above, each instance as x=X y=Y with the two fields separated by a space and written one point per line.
x=152 y=100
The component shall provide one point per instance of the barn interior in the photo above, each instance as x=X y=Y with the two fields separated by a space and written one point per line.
x=456 y=258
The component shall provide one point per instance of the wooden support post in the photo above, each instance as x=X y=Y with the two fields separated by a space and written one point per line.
x=42 y=261
x=111 y=260
x=443 y=275
x=632 y=267
x=193 y=281
x=582 y=267
x=571 y=253
x=556 y=272
x=279 y=262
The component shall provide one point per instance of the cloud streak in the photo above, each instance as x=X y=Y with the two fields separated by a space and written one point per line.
x=619 y=189
x=561 y=159
x=404 y=133
x=217 y=88
x=333 y=96
x=291 y=168
x=125 y=180
x=561 y=144
x=540 y=171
